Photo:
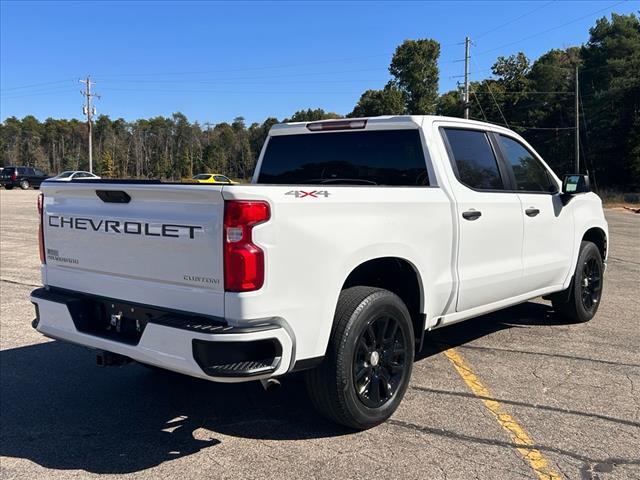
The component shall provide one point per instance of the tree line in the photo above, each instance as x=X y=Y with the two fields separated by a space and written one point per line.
x=534 y=98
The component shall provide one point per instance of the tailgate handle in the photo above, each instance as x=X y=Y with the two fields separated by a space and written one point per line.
x=113 y=196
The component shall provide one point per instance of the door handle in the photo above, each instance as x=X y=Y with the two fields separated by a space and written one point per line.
x=532 y=212
x=471 y=214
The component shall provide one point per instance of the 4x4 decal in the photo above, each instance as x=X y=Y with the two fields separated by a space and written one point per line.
x=313 y=193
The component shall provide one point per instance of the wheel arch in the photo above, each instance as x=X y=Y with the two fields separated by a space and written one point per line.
x=597 y=236
x=399 y=276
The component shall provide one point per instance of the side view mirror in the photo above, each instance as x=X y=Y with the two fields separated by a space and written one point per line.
x=575 y=183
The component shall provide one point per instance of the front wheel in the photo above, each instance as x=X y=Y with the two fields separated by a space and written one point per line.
x=24 y=185
x=581 y=301
x=367 y=367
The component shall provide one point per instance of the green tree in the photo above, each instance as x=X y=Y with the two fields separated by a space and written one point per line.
x=312 y=115
x=611 y=92
x=107 y=167
x=414 y=67
x=372 y=103
x=450 y=104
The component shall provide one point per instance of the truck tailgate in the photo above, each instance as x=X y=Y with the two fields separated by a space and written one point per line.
x=163 y=247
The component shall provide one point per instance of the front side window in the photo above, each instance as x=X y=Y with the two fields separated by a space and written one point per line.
x=221 y=178
x=529 y=172
x=374 y=157
x=474 y=158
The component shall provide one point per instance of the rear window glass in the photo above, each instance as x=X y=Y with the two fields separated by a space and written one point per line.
x=383 y=157
x=474 y=159
x=202 y=176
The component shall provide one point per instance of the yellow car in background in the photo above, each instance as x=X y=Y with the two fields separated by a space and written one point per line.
x=212 y=178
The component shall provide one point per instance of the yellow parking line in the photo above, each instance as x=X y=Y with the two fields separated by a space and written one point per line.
x=525 y=446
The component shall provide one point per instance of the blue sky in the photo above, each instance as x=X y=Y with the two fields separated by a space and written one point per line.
x=214 y=61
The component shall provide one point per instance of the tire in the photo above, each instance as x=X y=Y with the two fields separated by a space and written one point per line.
x=580 y=302
x=8 y=187
x=24 y=184
x=367 y=367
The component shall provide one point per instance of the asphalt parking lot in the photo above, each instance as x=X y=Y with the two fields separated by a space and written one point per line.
x=535 y=397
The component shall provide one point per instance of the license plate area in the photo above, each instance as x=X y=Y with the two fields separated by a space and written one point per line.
x=118 y=321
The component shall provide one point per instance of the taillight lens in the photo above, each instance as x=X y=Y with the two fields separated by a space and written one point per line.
x=243 y=261
x=43 y=259
x=14 y=176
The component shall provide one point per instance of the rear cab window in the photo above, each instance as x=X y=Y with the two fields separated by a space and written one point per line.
x=374 y=157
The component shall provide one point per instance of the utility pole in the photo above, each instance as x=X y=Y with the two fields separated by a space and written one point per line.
x=467 y=44
x=577 y=95
x=89 y=110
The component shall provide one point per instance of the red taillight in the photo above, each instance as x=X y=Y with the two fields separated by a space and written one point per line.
x=14 y=176
x=243 y=261
x=43 y=259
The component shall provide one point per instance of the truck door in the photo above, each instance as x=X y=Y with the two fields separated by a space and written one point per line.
x=490 y=223
x=548 y=226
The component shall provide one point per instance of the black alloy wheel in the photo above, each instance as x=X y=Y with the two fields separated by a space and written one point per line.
x=379 y=361
x=591 y=285
x=580 y=302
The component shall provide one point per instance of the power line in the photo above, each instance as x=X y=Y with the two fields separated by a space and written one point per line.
x=13 y=95
x=527 y=127
x=480 y=105
x=509 y=22
x=494 y=98
x=552 y=28
x=525 y=92
x=36 y=85
x=252 y=77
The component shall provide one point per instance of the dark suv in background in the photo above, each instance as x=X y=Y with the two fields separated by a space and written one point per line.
x=23 y=177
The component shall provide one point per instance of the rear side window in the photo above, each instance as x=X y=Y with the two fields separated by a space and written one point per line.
x=22 y=171
x=476 y=164
x=378 y=157
x=529 y=172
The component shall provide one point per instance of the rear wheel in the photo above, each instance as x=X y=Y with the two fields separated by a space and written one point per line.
x=8 y=187
x=24 y=184
x=368 y=364
x=581 y=300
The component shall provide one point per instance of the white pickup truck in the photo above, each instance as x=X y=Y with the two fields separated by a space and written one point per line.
x=354 y=239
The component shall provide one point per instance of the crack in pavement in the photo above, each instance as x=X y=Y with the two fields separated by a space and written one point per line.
x=503 y=443
x=555 y=355
x=18 y=282
x=530 y=405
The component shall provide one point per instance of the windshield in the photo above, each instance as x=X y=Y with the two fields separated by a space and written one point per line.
x=64 y=175
x=202 y=176
x=378 y=157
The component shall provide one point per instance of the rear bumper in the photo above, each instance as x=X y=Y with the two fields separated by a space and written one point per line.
x=231 y=354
